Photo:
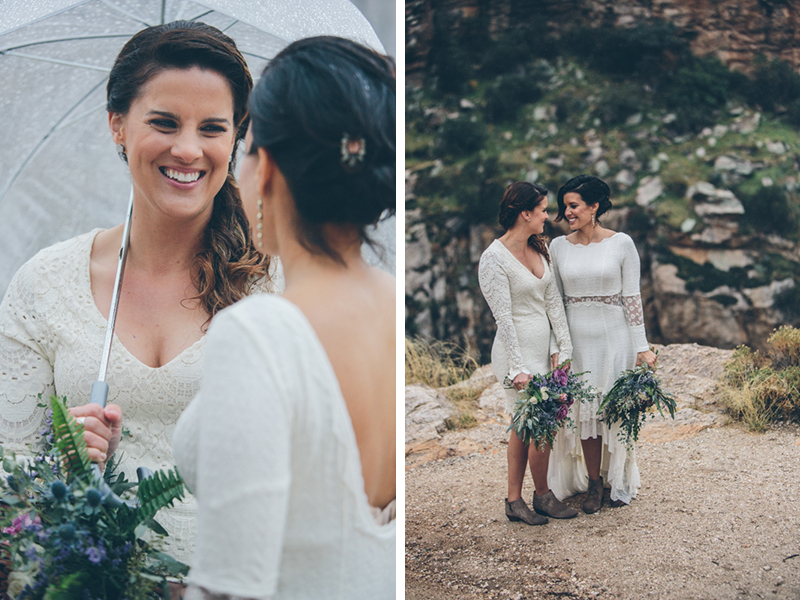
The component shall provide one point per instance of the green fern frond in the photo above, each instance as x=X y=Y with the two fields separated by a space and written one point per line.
x=69 y=440
x=159 y=491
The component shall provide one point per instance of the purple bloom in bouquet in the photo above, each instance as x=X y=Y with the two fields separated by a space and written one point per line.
x=560 y=377
x=562 y=412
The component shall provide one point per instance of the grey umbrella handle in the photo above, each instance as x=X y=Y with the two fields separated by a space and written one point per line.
x=99 y=394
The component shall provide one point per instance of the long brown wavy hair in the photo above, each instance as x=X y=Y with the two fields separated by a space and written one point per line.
x=228 y=265
x=520 y=196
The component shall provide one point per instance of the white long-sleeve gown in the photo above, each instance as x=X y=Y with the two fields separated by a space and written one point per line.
x=600 y=285
x=531 y=324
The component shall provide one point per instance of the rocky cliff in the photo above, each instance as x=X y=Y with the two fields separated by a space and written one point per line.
x=733 y=30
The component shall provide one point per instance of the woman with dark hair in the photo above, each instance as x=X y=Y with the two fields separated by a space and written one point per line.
x=177 y=101
x=289 y=446
x=597 y=271
x=532 y=335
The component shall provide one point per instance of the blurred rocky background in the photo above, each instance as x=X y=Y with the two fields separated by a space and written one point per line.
x=688 y=109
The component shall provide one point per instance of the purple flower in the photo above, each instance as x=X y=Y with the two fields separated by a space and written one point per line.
x=560 y=377
x=95 y=555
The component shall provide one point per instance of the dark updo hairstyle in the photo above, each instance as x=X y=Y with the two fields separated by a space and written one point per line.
x=591 y=189
x=312 y=97
x=228 y=264
x=520 y=196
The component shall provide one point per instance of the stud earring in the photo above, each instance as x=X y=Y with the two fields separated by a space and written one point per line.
x=121 y=153
x=259 y=217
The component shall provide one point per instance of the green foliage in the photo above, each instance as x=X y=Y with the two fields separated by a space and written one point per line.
x=630 y=399
x=69 y=440
x=759 y=389
x=696 y=90
x=510 y=51
x=507 y=95
x=477 y=189
x=462 y=136
x=775 y=83
x=769 y=210
x=619 y=102
x=159 y=491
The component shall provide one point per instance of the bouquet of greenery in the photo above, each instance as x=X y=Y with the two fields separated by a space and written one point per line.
x=63 y=539
x=631 y=399
x=543 y=404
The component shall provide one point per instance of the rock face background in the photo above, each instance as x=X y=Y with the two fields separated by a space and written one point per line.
x=733 y=30
x=717 y=267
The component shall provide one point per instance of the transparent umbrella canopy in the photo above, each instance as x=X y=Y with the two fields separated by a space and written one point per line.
x=59 y=172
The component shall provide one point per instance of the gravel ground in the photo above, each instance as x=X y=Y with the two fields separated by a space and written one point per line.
x=717 y=516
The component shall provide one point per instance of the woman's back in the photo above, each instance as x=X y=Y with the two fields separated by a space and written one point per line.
x=351 y=321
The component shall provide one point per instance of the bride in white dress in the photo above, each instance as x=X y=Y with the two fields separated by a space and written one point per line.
x=289 y=447
x=597 y=271
x=532 y=333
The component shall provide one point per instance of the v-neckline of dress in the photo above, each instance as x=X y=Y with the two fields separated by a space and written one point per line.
x=101 y=320
x=520 y=263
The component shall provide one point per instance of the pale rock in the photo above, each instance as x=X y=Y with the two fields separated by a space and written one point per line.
x=417 y=282
x=767 y=181
x=625 y=179
x=427 y=410
x=411 y=181
x=712 y=141
x=688 y=225
x=649 y=189
x=700 y=152
x=699 y=319
x=634 y=119
x=720 y=130
x=532 y=176
x=557 y=161
x=418 y=249
x=776 y=147
x=595 y=154
x=439 y=289
x=464 y=103
x=746 y=123
x=507 y=135
x=764 y=296
x=729 y=163
x=669 y=118
x=712 y=201
x=601 y=168
x=552 y=129
x=722 y=259
x=654 y=165
x=666 y=280
x=493 y=399
x=707 y=131
x=535 y=155
x=628 y=158
x=540 y=113
x=662 y=156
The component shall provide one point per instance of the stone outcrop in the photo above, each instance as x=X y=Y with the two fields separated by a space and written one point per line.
x=733 y=30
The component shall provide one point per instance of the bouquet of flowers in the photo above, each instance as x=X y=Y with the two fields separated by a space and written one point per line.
x=631 y=398
x=543 y=404
x=64 y=540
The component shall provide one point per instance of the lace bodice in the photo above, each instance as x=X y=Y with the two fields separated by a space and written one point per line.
x=516 y=295
x=51 y=341
x=604 y=274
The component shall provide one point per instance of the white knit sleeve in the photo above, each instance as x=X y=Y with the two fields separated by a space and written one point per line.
x=243 y=477
x=631 y=296
x=26 y=371
x=497 y=292
x=558 y=322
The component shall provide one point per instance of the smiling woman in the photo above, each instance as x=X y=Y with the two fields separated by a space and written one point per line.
x=177 y=100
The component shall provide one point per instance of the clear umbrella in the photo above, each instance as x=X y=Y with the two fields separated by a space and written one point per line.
x=59 y=171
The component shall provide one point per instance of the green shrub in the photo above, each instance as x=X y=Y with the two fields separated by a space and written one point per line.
x=769 y=210
x=775 y=83
x=507 y=95
x=507 y=53
x=793 y=114
x=462 y=136
x=785 y=343
x=477 y=189
x=620 y=102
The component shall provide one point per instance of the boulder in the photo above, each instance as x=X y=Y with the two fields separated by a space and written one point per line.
x=427 y=410
x=649 y=189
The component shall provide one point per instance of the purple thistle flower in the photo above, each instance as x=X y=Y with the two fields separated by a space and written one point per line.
x=95 y=555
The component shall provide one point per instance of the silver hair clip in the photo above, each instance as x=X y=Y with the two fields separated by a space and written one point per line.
x=353 y=152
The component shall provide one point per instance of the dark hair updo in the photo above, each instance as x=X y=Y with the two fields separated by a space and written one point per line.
x=520 y=196
x=229 y=263
x=313 y=98
x=591 y=189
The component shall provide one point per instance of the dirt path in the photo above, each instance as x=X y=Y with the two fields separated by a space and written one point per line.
x=717 y=517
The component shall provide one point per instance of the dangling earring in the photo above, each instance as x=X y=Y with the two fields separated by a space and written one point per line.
x=259 y=216
x=121 y=153
x=594 y=224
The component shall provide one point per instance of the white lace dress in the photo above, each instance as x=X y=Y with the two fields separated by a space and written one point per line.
x=531 y=325
x=268 y=448
x=51 y=341
x=600 y=284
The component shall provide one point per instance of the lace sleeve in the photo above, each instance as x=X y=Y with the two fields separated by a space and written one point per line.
x=26 y=372
x=495 y=287
x=558 y=322
x=631 y=298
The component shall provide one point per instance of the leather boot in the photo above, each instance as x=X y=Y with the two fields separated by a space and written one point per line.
x=594 y=496
x=551 y=506
x=519 y=511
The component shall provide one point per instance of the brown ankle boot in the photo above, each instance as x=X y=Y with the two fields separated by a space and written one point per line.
x=519 y=511
x=594 y=497
x=551 y=506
